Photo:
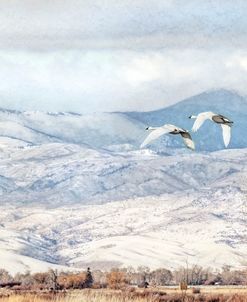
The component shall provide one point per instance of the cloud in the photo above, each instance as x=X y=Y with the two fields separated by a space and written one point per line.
x=237 y=61
x=142 y=69
x=86 y=81
x=105 y=55
x=45 y=24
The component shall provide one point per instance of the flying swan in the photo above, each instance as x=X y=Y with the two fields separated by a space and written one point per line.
x=218 y=119
x=171 y=129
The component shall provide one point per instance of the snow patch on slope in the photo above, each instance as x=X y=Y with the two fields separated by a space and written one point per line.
x=204 y=228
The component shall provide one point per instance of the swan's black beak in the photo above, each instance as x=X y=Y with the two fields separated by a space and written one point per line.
x=147 y=128
x=190 y=116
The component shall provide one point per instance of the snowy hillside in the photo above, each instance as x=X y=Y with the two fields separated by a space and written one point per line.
x=77 y=190
x=167 y=209
x=206 y=228
x=121 y=131
x=97 y=130
x=59 y=174
x=209 y=137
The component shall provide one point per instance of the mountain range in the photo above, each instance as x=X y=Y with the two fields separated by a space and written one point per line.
x=121 y=130
x=77 y=190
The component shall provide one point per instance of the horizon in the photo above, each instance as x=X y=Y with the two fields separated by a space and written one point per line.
x=213 y=90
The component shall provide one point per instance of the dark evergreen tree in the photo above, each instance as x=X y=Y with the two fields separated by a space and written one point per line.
x=89 y=279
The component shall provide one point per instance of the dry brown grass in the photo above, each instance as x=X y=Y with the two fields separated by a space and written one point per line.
x=209 y=290
x=128 y=295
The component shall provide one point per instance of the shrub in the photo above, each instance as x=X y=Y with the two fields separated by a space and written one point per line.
x=73 y=281
x=196 y=290
x=116 y=279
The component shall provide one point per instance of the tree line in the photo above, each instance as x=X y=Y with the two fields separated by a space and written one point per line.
x=118 y=278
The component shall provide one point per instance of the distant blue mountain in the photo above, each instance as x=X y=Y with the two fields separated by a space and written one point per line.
x=121 y=131
x=209 y=136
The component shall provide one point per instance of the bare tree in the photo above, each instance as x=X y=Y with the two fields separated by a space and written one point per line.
x=53 y=279
x=161 y=277
x=5 y=276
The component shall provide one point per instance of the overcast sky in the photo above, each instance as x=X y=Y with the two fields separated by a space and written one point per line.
x=108 y=55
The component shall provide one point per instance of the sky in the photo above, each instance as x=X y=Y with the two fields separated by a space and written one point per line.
x=117 y=55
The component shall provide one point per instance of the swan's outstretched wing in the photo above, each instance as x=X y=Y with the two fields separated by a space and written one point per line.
x=154 y=135
x=226 y=132
x=201 y=118
x=188 y=140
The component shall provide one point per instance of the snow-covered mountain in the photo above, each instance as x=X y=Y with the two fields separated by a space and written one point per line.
x=209 y=137
x=77 y=190
x=95 y=131
x=121 y=131
x=57 y=174
x=167 y=209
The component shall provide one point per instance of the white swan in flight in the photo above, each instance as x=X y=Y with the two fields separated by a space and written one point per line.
x=171 y=129
x=218 y=119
